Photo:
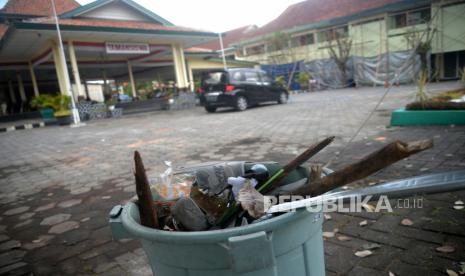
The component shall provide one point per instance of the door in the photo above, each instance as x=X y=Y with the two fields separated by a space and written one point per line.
x=253 y=86
x=270 y=90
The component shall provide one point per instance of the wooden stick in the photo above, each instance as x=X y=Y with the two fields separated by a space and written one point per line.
x=148 y=216
x=372 y=163
x=273 y=183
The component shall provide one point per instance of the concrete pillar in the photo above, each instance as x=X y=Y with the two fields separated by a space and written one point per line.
x=34 y=80
x=191 y=79
x=179 y=66
x=131 y=80
x=12 y=91
x=58 y=69
x=75 y=70
x=105 y=82
x=22 y=93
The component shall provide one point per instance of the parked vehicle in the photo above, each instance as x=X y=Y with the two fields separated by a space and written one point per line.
x=239 y=88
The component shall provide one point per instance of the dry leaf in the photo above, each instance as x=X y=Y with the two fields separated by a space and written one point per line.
x=445 y=249
x=328 y=234
x=391 y=274
x=363 y=223
x=380 y=138
x=343 y=238
x=363 y=253
x=251 y=200
x=327 y=217
x=368 y=207
x=450 y=272
x=406 y=222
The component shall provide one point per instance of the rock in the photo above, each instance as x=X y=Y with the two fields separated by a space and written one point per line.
x=45 y=207
x=55 y=219
x=69 y=203
x=63 y=227
x=16 y=211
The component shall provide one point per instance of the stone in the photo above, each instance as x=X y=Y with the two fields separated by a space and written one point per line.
x=27 y=215
x=10 y=268
x=41 y=241
x=11 y=257
x=24 y=223
x=63 y=227
x=16 y=211
x=45 y=207
x=11 y=244
x=69 y=203
x=55 y=219
x=80 y=190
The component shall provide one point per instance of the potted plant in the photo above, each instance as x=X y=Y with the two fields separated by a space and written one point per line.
x=62 y=112
x=44 y=103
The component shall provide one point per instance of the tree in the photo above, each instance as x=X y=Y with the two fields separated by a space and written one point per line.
x=339 y=51
x=279 y=50
x=420 y=43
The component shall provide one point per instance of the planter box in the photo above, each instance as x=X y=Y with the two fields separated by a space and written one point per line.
x=402 y=117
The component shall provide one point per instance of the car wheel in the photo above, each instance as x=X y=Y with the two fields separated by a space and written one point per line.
x=282 y=98
x=241 y=103
x=210 y=109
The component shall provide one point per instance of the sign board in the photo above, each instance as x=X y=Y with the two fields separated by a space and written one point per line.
x=127 y=48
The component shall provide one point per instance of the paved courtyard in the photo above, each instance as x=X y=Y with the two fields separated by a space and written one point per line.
x=57 y=184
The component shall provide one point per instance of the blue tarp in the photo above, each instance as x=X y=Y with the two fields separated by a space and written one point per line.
x=285 y=70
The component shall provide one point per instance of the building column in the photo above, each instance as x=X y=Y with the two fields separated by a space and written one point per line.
x=22 y=93
x=59 y=69
x=191 y=78
x=75 y=70
x=179 y=66
x=105 y=82
x=131 y=80
x=12 y=91
x=34 y=80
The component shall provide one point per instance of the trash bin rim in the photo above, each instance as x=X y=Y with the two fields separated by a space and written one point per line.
x=214 y=236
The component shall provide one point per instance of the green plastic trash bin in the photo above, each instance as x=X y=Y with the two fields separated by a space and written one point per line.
x=290 y=244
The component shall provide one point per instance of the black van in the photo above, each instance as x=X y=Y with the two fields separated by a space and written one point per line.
x=239 y=88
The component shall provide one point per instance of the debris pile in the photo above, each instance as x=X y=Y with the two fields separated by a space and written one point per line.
x=230 y=194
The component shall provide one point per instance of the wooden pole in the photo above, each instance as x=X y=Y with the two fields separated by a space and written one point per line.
x=372 y=163
x=148 y=216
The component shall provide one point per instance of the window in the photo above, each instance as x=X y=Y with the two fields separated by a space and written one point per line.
x=410 y=18
x=332 y=34
x=322 y=36
x=302 y=40
x=251 y=76
x=256 y=50
x=418 y=17
x=399 y=21
x=341 y=32
x=265 y=77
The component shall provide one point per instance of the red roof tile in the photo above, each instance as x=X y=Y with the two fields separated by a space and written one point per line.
x=3 y=29
x=38 y=7
x=229 y=38
x=115 y=24
x=312 y=11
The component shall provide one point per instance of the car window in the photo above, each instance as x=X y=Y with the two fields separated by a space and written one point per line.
x=251 y=76
x=214 y=78
x=238 y=76
x=265 y=77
